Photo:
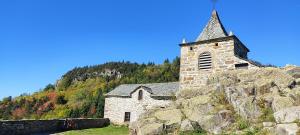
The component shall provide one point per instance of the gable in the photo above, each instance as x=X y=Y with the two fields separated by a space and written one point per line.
x=146 y=89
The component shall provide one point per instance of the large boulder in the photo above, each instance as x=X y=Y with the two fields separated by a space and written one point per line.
x=288 y=115
x=275 y=75
x=281 y=103
x=195 y=107
x=293 y=71
x=172 y=116
x=191 y=93
x=287 y=129
x=186 y=125
x=298 y=81
x=244 y=105
x=146 y=126
x=151 y=129
x=215 y=123
x=263 y=86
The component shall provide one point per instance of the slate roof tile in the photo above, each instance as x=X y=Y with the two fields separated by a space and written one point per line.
x=157 y=89
x=214 y=29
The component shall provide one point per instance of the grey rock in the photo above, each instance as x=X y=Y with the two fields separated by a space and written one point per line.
x=287 y=129
x=151 y=129
x=186 y=125
x=298 y=81
x=288 y=115
x=268 y=124
x=281 y=103
x=293 y=71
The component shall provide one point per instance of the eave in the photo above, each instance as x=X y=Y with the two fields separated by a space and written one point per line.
x=233 y=37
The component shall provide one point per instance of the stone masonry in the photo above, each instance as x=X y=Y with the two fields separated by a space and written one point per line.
x=227 y=53
x=28 y=127
x=116 y=106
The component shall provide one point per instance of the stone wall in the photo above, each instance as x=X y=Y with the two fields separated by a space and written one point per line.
x=224 y=58
x=115 y=107
x=25 y=127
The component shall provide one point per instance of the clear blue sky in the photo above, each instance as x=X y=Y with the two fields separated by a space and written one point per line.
x=40 y=40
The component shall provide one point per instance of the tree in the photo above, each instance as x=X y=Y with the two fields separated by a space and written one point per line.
x=7 y=99
x=49 y=87
x=60 y=100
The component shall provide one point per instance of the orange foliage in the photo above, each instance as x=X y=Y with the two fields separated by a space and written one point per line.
x=45 y=108
x=18 y=113
x=52 y=96
x=93 y=110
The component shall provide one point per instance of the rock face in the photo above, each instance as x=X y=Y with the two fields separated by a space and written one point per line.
x=186 y=125
x=280 y=103
x=288 y=115
x=230 y=100
x=287 y=129
x=293 y=71
x=172 y=116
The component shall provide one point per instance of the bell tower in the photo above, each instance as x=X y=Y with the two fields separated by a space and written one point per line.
x=213 y=51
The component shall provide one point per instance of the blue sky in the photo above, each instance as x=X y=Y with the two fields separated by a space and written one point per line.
x=40 y=40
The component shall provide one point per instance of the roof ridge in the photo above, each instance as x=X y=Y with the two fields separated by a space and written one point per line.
x=147 y=83
x=164 y=89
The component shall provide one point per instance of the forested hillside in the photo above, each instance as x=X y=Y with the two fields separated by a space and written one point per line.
x=80 y=92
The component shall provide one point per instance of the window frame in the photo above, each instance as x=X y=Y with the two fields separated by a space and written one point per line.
x=242 y=66
x=140 y=95
x=205 y=61
x=127 y=116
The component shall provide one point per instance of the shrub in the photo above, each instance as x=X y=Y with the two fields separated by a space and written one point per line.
x=49 y=87
x=60 y=100
x=267 y=115
x=242 y=123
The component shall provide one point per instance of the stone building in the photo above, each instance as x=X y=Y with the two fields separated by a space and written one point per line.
x=125 y=103
x=214 y=50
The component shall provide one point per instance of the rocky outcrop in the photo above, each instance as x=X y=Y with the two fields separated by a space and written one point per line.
x=287 y=129
x=229 y=101
x=293 y=71
x=186 y=125
x=288 y=115
x=172 y=116
x=280 y=103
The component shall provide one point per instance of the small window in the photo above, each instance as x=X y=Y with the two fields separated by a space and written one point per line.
x=140 y=95
x=191 y=48
x=127 y=117
x=241 y=66
x=205 y=61
x=216 y=44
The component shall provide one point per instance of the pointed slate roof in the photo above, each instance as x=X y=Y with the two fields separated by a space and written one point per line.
x=214 y=29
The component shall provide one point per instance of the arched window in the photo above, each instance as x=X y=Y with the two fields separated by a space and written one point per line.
x=205 y=61
x=140 y=95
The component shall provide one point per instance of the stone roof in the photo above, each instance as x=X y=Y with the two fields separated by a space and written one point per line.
x=214 y=29
x=156 y=89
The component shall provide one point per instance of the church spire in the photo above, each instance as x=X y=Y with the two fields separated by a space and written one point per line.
x=213 y=29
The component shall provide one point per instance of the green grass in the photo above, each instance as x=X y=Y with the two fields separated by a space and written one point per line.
x=110 y=130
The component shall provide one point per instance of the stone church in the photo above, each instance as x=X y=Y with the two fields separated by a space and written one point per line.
x=213 y=51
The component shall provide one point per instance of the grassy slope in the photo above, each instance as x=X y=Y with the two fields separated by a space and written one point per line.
x=110 y=130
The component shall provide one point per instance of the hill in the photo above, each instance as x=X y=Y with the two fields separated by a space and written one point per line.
x=80 y=92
